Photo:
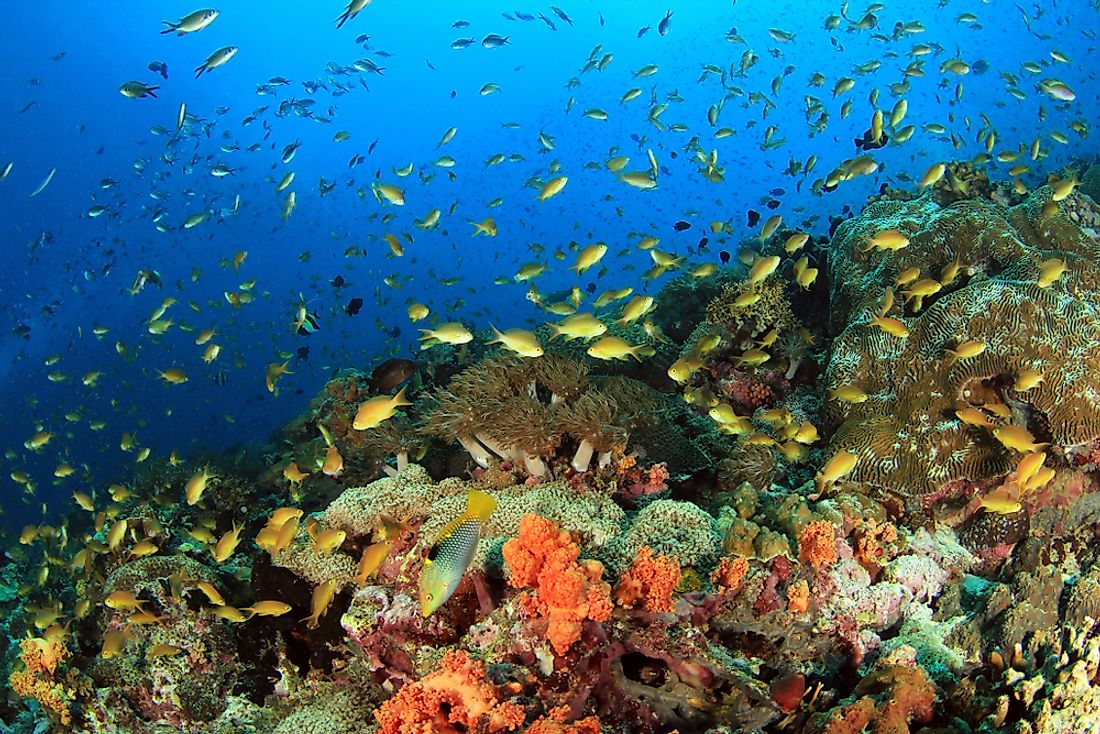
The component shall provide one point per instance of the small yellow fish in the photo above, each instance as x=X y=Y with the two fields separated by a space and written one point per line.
x=848 y=394
x=196 y=485
x=890 y=325
x=487 y=227
x=322 y=598
x=615 y=348
x=267 y=608
x=1027 y=379
x=589 y=256
x=1017 y=438
x=966 y=350
x=578 y=326
x=973 y=417
x=551 y=188
x=227 y=544
x=887 y=239
x=451 y=332
x=837 y=467
x=333 y=465
x=520 y=341
x=373 y=412
x=371 y=560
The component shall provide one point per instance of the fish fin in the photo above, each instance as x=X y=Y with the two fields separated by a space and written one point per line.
x=399 y=398
x=480 y=505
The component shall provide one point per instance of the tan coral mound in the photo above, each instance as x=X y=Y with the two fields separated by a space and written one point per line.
x=906 y=433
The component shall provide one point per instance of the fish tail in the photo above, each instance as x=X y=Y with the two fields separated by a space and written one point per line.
x=399 y=398
x=171 y=26
x=480 y=505
x=555 y=329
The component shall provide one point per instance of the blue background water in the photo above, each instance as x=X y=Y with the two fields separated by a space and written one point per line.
x=81 y=125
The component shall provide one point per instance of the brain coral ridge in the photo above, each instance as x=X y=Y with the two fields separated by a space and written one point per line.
x=906 y=432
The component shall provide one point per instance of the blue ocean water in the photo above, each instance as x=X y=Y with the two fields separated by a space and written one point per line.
x=68 y=273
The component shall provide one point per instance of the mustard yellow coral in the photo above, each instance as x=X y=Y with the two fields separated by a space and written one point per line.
x=770 y=310
x=38 y=677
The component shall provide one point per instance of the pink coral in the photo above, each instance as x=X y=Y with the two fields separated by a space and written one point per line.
x=651 y=580
x=458 y=697
x=565 y=592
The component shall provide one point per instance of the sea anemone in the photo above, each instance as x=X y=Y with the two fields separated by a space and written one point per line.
x=454 y=418
x=792 y=347
x=590 y=421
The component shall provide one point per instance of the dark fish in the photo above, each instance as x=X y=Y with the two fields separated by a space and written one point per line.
x=354 y=305
x=220 y=377
x=777 y=192
x=338 y=281
x=372 y=146
x=681 y=226
x=390 y=374
x=159 y=67
x=590 y=288
x=754 y=217
x=666 y=24
x=643 y=30
x=303 y=352
x=703 y=242
x=980 y=66
x=867 y=142
x=772 y=204
x=724 y=256
x=460 y=24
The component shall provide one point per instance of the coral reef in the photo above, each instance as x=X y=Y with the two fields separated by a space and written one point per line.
x=907 y=432
x=872 y=513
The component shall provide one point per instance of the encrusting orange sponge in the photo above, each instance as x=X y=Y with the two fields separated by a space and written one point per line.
x=565 y=591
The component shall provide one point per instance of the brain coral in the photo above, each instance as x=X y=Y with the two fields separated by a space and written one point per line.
x=906 y=432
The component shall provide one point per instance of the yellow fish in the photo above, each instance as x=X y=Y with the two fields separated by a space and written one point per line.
x=615 y=348
x=372 y=413
x=520 y=341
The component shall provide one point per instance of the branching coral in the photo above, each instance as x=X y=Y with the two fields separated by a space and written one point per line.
x=457 y=697
x=566 y=591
